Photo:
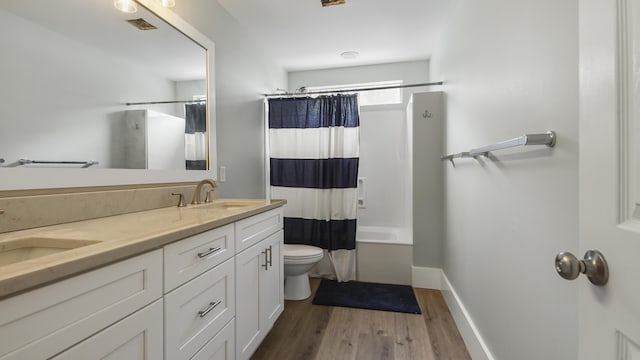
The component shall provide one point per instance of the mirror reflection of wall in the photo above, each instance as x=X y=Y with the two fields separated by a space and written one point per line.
x=68 y=69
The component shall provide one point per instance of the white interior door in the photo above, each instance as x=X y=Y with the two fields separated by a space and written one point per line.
x=610 y=176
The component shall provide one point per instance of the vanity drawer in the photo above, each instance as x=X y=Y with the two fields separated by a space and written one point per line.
x=196 y=311
x=136 y=337
x=251 y=230
x=45 y=321
x=190 y=257
x=221 y=347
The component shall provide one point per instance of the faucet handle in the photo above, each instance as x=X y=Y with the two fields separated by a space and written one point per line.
x=181 y=200
x=208 y=198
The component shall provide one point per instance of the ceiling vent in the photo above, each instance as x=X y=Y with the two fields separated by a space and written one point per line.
x=141 y=24
x=332 y=2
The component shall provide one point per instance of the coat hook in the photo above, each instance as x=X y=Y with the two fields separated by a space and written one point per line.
x=427 y=114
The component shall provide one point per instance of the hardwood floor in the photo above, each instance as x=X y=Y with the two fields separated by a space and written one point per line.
x=314 y=332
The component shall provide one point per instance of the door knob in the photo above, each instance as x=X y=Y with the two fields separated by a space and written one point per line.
x=594 y=266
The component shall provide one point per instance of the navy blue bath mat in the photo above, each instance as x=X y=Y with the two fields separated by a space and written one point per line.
x=363 y=295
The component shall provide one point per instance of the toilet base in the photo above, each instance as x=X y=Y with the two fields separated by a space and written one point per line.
x=296 y=287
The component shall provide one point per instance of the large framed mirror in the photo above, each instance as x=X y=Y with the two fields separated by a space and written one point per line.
x=88 y=91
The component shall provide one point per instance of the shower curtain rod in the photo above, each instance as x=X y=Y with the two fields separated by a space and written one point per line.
x=353 y=90
x=166 y=102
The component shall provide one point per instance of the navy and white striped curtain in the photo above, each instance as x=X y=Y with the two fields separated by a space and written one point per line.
x=314 y=150
x=195 y=136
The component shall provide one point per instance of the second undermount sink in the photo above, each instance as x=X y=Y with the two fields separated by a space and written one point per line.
x=225 y=205
x=17 y=250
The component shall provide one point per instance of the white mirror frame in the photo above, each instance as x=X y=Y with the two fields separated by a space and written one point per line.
x=39 y=178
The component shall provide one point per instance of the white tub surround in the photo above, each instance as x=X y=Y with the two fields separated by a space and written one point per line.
x=384 y=255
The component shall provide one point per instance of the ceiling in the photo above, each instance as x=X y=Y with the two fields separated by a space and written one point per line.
x=303 y=35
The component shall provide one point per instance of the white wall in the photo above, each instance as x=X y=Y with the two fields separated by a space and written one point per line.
x=384 y=162
x=243 y=73
x=426 y=179
x=510 y=67
x=411 y=72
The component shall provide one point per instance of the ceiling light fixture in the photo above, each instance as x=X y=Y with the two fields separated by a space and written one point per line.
x=350 y=55
x=127 y=6
x=332 y=2
x=168 y=3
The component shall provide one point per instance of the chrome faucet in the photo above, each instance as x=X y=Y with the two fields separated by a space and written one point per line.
x=196 y=194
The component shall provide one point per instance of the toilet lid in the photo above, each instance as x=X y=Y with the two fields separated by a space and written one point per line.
x=301 y=251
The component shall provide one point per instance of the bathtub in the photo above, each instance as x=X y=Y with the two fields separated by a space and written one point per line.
x=383 y=235
x=384 y=254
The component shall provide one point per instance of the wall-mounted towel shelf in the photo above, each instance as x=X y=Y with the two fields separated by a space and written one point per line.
x=464 y=154
x=548 y=139
x=85 y=164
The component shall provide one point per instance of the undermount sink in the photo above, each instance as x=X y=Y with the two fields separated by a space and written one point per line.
x=17 y=250
x=223 y=205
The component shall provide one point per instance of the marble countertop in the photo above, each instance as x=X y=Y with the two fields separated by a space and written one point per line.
x=117 y=238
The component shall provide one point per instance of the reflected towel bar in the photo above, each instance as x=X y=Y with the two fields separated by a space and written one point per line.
x=21 y=162
x=548 y=139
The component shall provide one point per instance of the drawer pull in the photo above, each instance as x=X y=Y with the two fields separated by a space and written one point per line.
x=266 y=259
x=270 y=261
x=208 y=252
x=212 y=306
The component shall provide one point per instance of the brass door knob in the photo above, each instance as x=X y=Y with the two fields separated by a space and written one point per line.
x=594 y=266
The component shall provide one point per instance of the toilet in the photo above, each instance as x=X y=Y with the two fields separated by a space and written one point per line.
x=298 y=260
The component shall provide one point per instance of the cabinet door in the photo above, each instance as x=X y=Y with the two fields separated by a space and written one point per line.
x=138 y=336
x=259 y=293
x=249 y=328
x=272 y=281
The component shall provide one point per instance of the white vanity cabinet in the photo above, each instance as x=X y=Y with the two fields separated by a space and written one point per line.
x=259 y=279
x=44 y=322
x=213 y=295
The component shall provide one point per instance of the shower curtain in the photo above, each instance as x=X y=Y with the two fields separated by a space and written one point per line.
x=314 y=155
x=195 y=136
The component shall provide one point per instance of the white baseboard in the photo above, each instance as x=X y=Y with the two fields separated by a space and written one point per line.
x=426 y=278
x=475 y=344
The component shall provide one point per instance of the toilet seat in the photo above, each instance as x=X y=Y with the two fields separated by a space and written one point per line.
x=301 y=252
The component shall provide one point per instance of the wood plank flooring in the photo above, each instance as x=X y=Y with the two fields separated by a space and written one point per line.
x=314 y=332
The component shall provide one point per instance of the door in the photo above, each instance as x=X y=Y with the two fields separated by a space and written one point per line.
x=610 y=176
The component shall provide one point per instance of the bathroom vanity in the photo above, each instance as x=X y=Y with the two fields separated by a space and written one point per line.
x=198 y=282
